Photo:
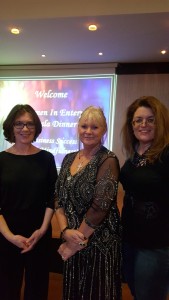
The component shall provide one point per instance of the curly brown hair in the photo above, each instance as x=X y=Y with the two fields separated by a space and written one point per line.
x=161 y=139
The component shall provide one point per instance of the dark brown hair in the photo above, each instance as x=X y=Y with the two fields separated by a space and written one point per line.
x=16 y=111
x=161 y=138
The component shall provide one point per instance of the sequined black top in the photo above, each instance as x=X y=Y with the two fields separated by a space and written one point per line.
x=83 y=194
x=145 y=214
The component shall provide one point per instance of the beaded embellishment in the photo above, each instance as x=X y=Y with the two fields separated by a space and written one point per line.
x=139 y=160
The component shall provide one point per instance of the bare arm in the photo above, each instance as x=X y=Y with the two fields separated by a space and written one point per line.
x=17 y=240
x=37 y=234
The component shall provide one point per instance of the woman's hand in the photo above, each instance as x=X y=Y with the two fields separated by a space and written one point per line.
x=25 y=243
x=19 y=241
x=73 y=236
x=32 y=240
x=67 y=249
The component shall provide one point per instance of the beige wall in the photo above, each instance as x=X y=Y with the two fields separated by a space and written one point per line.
x=55 y=228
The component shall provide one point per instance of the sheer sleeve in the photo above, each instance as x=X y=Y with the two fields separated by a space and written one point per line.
x=105 y=192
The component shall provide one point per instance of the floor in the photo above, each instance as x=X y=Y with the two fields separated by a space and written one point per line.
x=55 y=288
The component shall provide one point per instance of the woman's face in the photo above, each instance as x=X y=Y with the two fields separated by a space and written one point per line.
x=144 y=125
x=24 y=129
x=90 y=132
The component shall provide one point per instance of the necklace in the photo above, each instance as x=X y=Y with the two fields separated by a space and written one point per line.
x=79 y=166
x=86 y=159
x=140 y=160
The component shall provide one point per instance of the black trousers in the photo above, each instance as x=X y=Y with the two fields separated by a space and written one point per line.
x=34 y=265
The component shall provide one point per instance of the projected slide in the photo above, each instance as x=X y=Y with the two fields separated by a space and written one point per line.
x=59 y=104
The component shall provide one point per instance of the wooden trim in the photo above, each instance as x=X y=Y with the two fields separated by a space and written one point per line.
x=142 y=68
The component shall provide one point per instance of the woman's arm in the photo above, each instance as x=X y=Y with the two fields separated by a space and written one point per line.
x=17 y=240
x=105 y=194
x=68 y=234
x=61 y=218
x=37 y=234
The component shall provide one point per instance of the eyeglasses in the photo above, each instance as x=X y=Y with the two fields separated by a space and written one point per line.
x=21 y=125
x=140 y=121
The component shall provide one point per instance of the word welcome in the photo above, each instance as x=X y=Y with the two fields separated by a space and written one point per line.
x=51 y=94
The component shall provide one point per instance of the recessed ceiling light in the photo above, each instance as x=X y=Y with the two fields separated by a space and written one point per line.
x=43 y=55
x=163 y=51
x=100 y=53
x=15 y=31
x=92 y=27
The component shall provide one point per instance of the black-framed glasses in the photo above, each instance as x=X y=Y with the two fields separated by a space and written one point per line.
x=140 y=121
x=21 y=125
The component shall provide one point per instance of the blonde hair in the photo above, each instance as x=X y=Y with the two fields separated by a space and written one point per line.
x=161 y=138
x=94 y=113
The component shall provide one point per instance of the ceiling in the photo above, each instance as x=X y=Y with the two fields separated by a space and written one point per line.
x=132 y=31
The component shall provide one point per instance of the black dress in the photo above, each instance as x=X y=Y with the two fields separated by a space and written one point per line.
x=27 y=187
x=94 y=272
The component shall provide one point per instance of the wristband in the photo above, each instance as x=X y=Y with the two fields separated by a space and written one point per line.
x=62 y=232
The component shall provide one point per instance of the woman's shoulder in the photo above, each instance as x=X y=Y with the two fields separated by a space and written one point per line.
x=165 y=154
x=2 y=154
x=108 y=156
x=45 y=153
x=69 y=157
x=108 y=153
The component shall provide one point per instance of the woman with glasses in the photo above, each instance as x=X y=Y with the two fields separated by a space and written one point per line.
x=27 y=185
x=145 y=213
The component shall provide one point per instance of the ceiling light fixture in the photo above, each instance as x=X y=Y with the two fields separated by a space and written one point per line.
x=163 y=52
x=43 y=55
x=92 y=27
x=100 y=53
x=15 y=31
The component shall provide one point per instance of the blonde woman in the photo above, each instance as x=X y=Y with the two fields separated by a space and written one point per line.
x=88 y=215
